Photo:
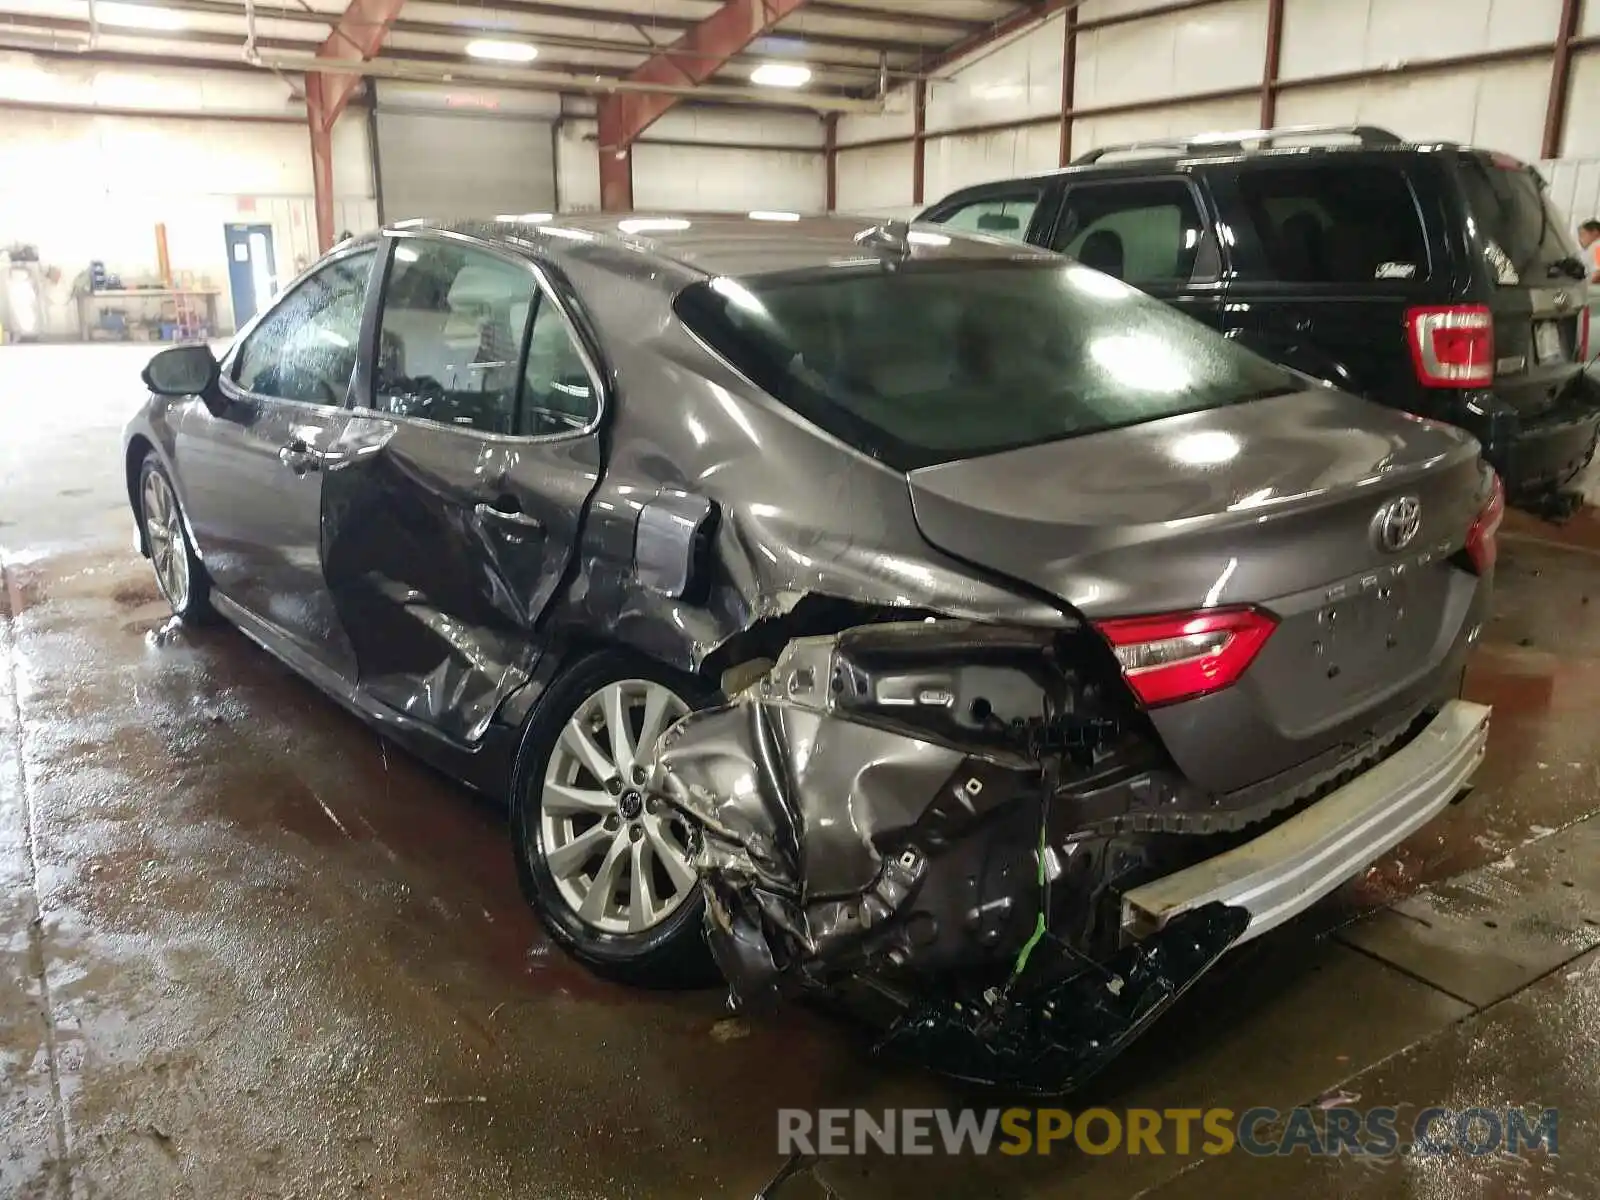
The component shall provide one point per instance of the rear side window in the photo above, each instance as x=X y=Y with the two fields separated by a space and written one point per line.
x=1334 y=224
x=1142 y=232
x=1523 y=237
x=922 y=363
x=997 y=216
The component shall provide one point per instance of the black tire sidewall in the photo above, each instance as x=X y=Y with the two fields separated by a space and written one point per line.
x=673 y=951
x=197 y=604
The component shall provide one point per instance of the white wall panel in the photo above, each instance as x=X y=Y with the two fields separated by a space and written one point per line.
x=1099 y=10
x=896 y=120
x=1020 y=79
x=1179 y=120
x=1499 y=107
x=1202 y=50
x=717 y=179
x=964 y=159
x=1323 y=38
x=1575 y=188
x=1582 y=137
x=1591 y=19
x=875 y=180
x=738 y=125
x=40 y=80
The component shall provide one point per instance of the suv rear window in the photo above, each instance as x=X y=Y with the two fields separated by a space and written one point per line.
x=1333 y=223
x=928 y=362
x=1524 y=238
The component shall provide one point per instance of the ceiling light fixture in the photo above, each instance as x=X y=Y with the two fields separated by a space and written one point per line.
x=511 y=52
x=139 y=16
x=781 y=75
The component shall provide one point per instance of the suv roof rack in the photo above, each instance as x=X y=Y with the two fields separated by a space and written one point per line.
x=1219 y=143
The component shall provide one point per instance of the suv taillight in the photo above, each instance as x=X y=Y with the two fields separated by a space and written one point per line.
x=1452 y=347
x=1482 y=544
x=1178 y=656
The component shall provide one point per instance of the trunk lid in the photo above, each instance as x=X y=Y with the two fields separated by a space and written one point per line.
x=1271 y=503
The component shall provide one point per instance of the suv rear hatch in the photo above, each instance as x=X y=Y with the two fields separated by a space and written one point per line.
x=1539 y=291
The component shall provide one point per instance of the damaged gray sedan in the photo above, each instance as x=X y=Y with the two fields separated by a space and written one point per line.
x=912 y=618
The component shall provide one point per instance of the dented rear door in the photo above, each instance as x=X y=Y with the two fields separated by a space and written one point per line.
x=453 y=511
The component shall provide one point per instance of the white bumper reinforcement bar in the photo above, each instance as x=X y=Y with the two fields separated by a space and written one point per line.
x=1283 y=872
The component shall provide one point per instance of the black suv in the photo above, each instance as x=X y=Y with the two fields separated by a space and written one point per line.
x=1437 y=279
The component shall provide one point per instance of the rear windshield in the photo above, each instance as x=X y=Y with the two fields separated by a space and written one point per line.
x=1524 y=237
x=937 y=361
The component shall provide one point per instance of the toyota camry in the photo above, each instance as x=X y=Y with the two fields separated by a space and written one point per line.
x=887 y=611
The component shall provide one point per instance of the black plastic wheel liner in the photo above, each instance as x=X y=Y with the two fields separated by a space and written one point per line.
x=1052 y=1040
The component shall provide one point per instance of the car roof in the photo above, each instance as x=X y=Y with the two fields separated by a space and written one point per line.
x=1143 y=162
x=712 y=244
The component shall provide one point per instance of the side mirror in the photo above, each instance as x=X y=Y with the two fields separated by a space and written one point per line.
x=184 y=371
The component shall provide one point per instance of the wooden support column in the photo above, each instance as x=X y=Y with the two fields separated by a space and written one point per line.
x=1069 y=80
x=830 y=152
x=616 y=165
x=702 y=50
x=321 y=130
x=356 y=38
x=1555 y=114
x=1269 y=70
x=919 y=140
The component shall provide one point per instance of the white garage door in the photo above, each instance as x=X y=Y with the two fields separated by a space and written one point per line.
x=444 y=165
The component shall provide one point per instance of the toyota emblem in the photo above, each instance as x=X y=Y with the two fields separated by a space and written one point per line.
x=1396 y=524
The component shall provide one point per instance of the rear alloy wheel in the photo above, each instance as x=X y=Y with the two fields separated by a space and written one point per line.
x=178 y=572
x=618 y=861
x=607 y=865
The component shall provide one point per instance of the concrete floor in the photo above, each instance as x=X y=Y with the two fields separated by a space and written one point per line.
x=246 y=951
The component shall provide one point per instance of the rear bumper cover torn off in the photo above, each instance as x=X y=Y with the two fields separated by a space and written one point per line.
x=841 y=852
x=1280 y=874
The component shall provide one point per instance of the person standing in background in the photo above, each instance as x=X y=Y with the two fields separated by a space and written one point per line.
x=1589 y=239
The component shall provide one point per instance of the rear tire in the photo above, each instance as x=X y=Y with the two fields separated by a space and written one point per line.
x=608 y=874
x=179 y=573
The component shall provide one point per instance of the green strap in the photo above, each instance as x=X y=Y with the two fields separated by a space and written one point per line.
x=1038 y=929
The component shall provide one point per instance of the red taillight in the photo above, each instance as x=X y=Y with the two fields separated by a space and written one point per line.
x=1583 y=336
x=1178 y=656
x=1452 y=347
x=1482 y=545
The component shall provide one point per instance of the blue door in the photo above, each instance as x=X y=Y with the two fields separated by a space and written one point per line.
x=252 y=274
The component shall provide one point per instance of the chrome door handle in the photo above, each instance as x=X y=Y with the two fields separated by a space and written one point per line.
x=299 y=457
x=488 y=512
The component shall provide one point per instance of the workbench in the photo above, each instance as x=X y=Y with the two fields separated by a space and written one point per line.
x=88 y=300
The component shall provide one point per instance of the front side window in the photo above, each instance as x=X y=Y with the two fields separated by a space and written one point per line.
x=997 y=216
x=305 y=348
x=1140 y=232
x=922 y=363
x=450 y=335
x=1334 y=223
